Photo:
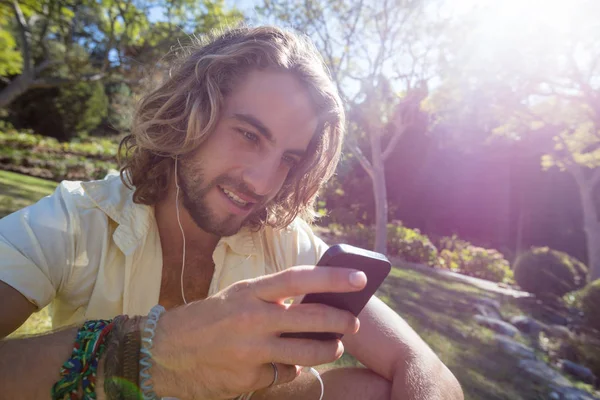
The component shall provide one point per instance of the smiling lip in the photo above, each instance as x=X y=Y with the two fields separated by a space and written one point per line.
x=234 y=207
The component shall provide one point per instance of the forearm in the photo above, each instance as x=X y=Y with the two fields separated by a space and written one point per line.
x=424 y=378
x=389 y=346
x=30 y=366
x=340 y=383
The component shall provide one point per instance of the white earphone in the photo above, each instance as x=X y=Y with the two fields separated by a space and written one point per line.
x=182 y=233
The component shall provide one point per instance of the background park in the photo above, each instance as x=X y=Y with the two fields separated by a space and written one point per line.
x=472 y=158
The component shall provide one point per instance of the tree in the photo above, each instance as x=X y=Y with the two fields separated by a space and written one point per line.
x=382 y=56
x=541 y=80
x=67 y=41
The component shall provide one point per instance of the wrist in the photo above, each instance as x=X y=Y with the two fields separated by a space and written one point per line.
x=164 y=378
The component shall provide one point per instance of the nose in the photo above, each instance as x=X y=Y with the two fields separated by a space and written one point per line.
x=262 y=175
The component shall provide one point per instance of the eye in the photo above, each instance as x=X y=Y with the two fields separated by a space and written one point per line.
x=290 y=161
x=249 y=136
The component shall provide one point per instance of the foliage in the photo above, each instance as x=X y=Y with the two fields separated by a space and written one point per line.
x=81 y=106
x=408 y=244
x=66 y=43
x=121 y=106
x=10 y=58
x=25 y=152
x=546 y=272
x=463 y=257
x=590 y=301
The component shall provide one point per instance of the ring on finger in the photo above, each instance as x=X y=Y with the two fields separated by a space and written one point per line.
x=275 y=375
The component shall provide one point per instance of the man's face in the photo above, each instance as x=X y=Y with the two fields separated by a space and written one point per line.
x=263 y=132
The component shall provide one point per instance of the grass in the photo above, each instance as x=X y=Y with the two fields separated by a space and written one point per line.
x=438 y=309
x=18 y=191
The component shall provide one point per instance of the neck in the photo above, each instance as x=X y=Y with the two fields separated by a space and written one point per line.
x=197 y=240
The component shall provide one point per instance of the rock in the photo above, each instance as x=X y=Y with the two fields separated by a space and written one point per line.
x=553 y=317
x=571 y=393
x=578 y=371
x=497 y=325
x=488 y=308
x=514 y=348
x=527 y=324
x=558 y=331
x=489 y=303
x=554 y=396
x=486 y=311
x=542 y=373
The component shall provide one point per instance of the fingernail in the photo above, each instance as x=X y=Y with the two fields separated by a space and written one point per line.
x=358 y=279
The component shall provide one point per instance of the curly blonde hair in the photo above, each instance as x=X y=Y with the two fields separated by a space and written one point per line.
x=175 y=118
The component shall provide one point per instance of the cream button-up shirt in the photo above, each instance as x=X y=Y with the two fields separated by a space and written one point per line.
x=92 y=253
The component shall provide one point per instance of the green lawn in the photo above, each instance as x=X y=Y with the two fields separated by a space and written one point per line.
x=438 y=309
x=18 y=191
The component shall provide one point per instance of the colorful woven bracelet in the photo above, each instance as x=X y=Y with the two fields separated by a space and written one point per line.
x=146 y=353
x=82 y=366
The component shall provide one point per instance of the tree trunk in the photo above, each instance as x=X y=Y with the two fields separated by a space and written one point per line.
x=591 y=226
x=15 y=88
x=380 y=194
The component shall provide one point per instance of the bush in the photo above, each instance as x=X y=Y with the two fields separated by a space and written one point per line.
x=24 y=152
x=357 y=235
x=121 y=106
x=408 y=244
x=546 y=272
x=62 y=112
x=463 y=257
x=82 y=106
x=590 y=299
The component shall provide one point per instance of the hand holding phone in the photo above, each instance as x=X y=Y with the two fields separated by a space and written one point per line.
x=375 y=265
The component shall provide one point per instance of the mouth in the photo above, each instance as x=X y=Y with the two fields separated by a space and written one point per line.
x=237 y=199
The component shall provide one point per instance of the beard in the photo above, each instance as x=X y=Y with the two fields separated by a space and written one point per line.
x=194 y=191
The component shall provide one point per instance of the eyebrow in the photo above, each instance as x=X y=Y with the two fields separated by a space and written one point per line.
x=264 y=131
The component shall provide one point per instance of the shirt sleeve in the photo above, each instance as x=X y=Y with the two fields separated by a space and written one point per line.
x=37 y=247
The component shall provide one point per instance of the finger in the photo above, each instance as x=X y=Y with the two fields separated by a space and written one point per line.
x=285 y=374
x=305 y=352
x=317 y=318
x=301 y=280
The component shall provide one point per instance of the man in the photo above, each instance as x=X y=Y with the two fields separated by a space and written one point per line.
x=221 y=171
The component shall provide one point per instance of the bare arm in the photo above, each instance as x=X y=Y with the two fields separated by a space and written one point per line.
x=340 y=383
x=39 y=357
x=20 y=359
x=387 y=345
x=16 y=309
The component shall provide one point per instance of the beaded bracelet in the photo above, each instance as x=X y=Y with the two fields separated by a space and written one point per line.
x=146 y=353
x=82 y=366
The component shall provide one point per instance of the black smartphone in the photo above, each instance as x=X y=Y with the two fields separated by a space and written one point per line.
x=375 y=265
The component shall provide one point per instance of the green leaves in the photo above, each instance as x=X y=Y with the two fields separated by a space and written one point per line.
x=11 y=62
